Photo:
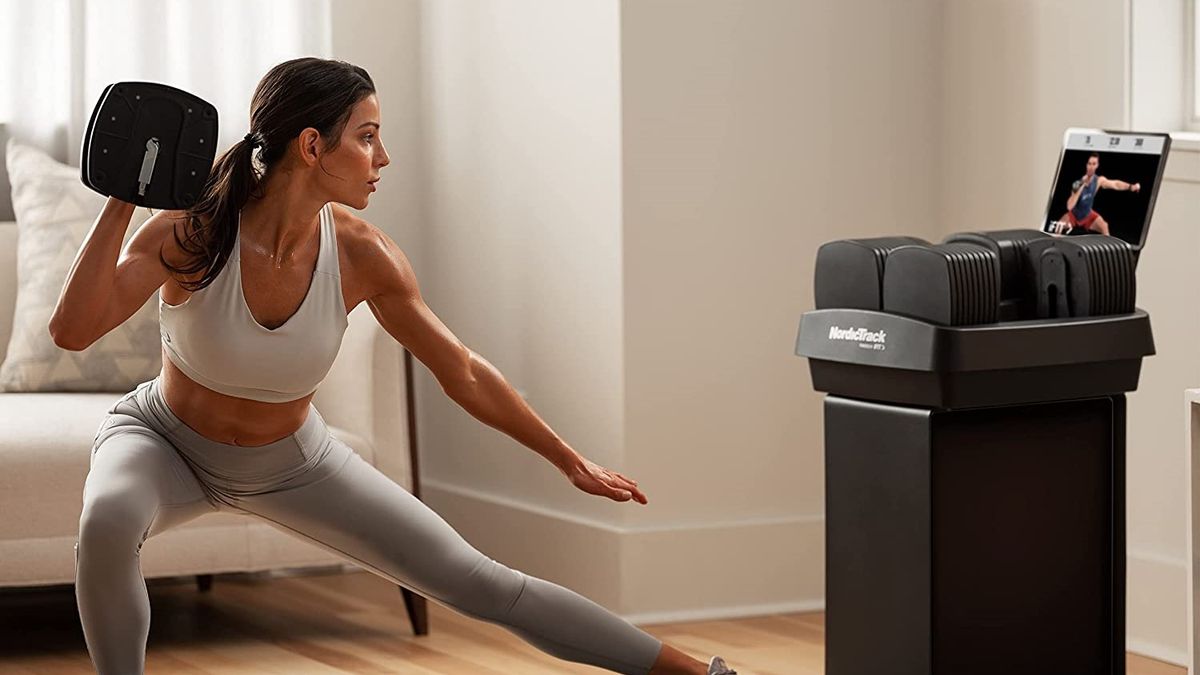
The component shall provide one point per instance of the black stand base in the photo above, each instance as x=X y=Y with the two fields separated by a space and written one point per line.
x=982 y=541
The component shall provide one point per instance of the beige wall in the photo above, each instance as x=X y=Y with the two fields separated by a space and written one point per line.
x=1156 y=475
x=1011 y=89
x=618 y=204
x=623 y=213
x=391 y=58
x=521 y=147
x=752 y=135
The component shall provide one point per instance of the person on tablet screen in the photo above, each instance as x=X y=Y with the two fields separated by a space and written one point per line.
x=1080 y=214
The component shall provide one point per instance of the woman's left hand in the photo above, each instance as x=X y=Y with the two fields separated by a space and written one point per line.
x=597 y=480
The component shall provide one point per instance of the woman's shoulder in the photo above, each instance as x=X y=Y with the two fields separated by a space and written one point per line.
x=376 y=258
x=354 y=233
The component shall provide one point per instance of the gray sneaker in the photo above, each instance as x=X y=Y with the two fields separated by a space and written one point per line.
x=717 y=666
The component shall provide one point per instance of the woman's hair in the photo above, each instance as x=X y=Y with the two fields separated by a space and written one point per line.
x=292 y=96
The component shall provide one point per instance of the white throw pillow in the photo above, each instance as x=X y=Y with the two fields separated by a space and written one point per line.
x=54 y=212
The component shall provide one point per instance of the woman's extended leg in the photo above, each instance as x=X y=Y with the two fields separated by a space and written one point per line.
x=136 y=488
x=366 y=517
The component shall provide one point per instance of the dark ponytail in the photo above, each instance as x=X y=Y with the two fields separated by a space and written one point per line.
x=292 y=96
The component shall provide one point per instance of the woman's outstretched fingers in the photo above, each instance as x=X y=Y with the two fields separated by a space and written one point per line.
x=598 y=480
x=631 y=488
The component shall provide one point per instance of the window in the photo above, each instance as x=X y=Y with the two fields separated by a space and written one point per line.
x=1192 y=89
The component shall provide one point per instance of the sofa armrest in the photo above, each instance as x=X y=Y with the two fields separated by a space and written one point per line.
x=364 y=392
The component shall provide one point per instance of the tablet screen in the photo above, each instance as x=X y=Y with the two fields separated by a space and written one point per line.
x=1106 y=184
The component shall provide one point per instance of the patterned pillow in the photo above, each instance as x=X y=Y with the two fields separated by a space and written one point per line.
x=54 y=213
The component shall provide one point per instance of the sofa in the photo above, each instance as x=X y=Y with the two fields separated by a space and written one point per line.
x=45 y=440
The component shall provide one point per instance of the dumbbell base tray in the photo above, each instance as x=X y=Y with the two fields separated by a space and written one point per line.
x=898 y=359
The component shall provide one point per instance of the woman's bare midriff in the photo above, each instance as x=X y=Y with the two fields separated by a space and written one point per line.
x=228 y=419
x=240 y=421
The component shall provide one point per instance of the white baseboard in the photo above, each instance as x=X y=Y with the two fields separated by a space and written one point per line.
x=1156 y=607
x=732 y=569
x=719 y=613
x=1157 y=652
x=649 y=575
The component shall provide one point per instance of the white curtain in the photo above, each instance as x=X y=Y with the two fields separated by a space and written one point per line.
x=56 y=57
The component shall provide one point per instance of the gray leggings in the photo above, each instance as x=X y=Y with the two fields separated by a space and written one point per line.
x=150 y=471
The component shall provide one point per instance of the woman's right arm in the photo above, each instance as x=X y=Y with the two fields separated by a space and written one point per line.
x=97 y=284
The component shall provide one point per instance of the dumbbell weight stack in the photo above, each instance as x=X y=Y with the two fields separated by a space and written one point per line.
x=149 y=144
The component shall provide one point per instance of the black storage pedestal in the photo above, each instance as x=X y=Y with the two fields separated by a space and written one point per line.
x=974 y=520
x=983 y=542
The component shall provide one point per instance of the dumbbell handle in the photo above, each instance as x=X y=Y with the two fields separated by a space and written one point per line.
x=148 y=161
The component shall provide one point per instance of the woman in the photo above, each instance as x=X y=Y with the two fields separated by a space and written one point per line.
x=253 y=306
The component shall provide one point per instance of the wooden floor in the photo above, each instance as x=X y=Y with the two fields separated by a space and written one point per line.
x=355 y=623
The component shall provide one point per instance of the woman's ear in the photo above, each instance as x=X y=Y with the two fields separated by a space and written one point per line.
x=310 y=145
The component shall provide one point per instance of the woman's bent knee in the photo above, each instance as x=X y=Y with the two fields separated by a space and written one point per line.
x=112 y=523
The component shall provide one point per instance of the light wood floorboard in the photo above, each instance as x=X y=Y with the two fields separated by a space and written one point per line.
x=355 y=623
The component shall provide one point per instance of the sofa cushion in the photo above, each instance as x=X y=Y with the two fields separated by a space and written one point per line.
x=45 y=443
x=45 y=447
x=54 y=213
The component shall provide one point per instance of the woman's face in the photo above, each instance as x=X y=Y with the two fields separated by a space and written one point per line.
x=359 y=157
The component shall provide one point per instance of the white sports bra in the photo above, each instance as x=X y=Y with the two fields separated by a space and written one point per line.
x=214 y=339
